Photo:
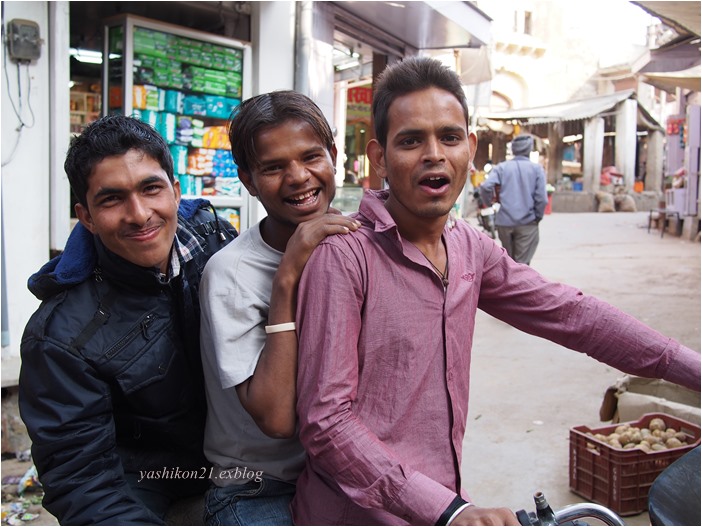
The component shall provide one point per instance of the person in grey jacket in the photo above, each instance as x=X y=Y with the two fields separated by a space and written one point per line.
x=521 y=186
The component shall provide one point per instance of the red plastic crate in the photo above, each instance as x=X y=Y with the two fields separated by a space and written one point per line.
x=619 y=478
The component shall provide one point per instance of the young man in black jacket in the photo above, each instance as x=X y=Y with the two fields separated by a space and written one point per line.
x=111 y=386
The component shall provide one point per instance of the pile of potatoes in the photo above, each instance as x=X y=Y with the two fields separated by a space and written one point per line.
x=657 y=436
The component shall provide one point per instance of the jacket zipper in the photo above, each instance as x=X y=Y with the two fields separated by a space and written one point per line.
x=142 y=328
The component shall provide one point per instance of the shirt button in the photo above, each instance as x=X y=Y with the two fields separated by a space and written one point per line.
x=161 y=369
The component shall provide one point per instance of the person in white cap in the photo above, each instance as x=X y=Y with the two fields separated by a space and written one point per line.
x=523 y=199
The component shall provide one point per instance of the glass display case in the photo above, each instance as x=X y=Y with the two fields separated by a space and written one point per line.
x=185 y=83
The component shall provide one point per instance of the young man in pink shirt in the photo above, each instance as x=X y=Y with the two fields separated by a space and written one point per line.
x=386 y=317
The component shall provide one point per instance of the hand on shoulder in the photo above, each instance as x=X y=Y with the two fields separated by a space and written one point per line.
x=309 y=234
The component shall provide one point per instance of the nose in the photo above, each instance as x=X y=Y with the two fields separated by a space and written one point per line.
x=137 y=211
x=296 y=173
x=433 y=151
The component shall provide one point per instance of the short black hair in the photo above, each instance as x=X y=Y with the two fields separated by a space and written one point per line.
x=408 y=76
x=267 y=110
x=112 y=135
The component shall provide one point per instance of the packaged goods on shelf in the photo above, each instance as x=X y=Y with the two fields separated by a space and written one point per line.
x=232 y=215
x=227 y=186
x=166 y=126
x=186 y=86
x=216 y=137
x=173 y=101
x=190 y=185
x=220 y=107
x=148 y=116
x=180 y=158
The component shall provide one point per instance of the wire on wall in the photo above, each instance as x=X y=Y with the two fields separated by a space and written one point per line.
x=18 y=108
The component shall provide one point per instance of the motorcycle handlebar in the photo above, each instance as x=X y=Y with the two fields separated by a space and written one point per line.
x=568 y=515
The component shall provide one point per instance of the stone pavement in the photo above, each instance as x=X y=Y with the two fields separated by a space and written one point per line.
x=526 y=392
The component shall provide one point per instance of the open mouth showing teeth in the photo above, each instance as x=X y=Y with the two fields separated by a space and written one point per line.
x=435 y=182
x=303 y=199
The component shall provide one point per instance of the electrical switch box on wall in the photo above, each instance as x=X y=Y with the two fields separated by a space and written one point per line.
x=23 y=40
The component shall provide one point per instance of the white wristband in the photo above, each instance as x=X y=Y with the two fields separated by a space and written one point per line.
x=458 y=511
x=278 y=328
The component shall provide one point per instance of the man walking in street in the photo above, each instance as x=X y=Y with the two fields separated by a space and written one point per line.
x=520 y=186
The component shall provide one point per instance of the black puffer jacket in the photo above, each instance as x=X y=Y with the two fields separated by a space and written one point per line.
x=111 y=379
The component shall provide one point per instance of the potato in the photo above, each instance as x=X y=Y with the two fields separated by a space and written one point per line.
x=644 y=446
x=680 y=436
x=629 y=446
x=673 y=443
x=621 y=429
x=636 y=437
x=657 y=424
x=614 y=443
x=658 y=446
x=625 y=438
x=667 y=435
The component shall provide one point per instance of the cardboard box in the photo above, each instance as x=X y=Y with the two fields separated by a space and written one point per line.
x=631 y=397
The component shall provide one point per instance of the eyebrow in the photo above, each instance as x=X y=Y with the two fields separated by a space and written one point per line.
x=108 y=191
x=312 y=150
x=442 y=129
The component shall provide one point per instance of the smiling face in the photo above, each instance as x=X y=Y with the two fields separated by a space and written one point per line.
x=427 y=156
x=293 y=178
x=132 y=206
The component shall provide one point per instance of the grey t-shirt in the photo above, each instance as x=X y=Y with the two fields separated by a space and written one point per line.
x=235 y=294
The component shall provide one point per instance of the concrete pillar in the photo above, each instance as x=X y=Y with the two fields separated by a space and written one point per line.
x=593 y=146
x=625 y=141
x=273 y=58
x=555 y=152
x=314 y=45
x=654 y=161
x=60 y=199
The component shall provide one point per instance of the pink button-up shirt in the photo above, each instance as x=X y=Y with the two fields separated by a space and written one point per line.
x=384 y=363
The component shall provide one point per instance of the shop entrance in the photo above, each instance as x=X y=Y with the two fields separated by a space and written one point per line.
x=355 y=61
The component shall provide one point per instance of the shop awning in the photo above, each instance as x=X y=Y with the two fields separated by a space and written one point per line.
x=572 y=111
x=675 y=65
x=426 y=25
x=687 y=79
x=684 y=17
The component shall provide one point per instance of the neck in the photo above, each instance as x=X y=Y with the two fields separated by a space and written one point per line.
x=276 y=234
x=422 y=231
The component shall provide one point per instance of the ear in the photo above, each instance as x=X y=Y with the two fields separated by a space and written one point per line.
x=332 y=153
x=473 y=145
x=247 y=181
x=376 y=156
x=83 y=215
x=177 y=190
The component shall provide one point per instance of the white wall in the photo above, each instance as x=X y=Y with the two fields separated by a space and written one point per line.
x=273 y=68
x=25 y=175
x=273 y=37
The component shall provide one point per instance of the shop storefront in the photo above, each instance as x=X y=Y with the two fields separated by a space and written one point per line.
x=283 y=45
x=577 y=139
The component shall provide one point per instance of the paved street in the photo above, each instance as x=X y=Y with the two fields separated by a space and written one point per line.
x=527 y=393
